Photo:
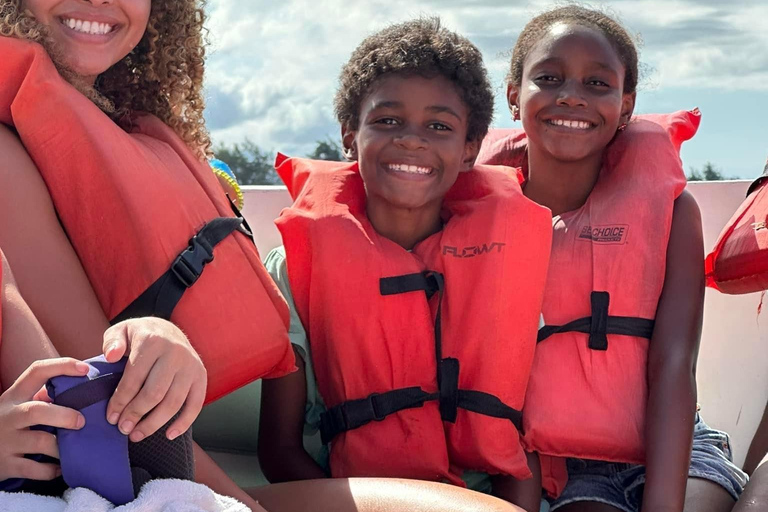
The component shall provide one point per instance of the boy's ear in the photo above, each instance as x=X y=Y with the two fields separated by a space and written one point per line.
x=471 y=150
x=627 y=107
x=349 y=141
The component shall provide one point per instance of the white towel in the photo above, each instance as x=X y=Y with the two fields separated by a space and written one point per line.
x=155 y=496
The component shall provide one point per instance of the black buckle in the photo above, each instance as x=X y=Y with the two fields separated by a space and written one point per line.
x=359 y=412
x=188 y=266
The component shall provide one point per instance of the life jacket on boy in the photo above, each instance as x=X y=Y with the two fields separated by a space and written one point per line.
x=149 y=222
x=587 y=395
x=739 y=262
x=99 y=457
x=422 y=356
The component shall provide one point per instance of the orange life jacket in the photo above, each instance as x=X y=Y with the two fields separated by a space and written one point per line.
x=145 y=216
x=422 y=357
x=588 y=390
x=739 y=262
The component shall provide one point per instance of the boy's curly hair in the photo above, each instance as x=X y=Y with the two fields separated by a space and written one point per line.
x=611 y=28
x=162 y=76
x=418 y=47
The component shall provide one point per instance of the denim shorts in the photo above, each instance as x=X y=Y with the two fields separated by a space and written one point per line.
x=621 y=485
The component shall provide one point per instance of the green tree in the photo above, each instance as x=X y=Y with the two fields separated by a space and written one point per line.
x=707 y=173
x=251 y=165
x=327 y=149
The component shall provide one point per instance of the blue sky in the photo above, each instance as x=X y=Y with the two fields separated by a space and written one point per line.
x=272 y=66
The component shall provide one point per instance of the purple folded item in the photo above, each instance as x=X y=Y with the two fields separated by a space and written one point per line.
x=98 y=456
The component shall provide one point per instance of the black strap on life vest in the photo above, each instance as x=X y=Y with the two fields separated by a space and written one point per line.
x=161 y=297
x=356 y=413
x=600 y=324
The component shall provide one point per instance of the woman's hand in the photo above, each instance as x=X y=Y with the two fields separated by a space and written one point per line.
x=163 y=375
x=19 y=410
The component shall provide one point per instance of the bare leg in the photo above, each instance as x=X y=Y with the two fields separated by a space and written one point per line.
x=374 y=495
x=755 y=496
x=588 y=506
x=706 y=496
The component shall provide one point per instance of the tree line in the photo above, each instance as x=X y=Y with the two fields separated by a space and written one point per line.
x=253 y=166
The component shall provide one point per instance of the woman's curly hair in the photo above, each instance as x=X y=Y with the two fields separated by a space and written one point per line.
x=610 y=27
x=418 y=47
x=162 y=76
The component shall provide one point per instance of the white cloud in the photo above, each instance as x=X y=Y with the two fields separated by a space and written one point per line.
x=272 y=68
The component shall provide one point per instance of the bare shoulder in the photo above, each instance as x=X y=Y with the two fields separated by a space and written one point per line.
x=686 y=212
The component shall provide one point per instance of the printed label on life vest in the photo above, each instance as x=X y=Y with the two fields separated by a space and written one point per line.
x=615 y=234
x=472 y=250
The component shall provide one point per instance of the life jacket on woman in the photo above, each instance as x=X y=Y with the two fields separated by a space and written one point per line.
x=422 y=356
x=149 y=222
x=587 y=395
x=739 y=262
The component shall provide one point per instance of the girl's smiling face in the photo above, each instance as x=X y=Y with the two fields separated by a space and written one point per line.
x=412 y=141
x=92 y=35
x=572 y=98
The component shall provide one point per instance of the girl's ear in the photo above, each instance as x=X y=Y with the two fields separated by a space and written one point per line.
x=349 y=141
x=513 y=101
x=627 y=107
x=471 y=149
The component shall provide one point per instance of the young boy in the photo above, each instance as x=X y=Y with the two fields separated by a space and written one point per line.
x=417 y=277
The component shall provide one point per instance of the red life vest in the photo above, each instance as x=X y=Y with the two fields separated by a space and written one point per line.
x=739 y=262
x=422 y=357
x=145 y=216
x=588 y=390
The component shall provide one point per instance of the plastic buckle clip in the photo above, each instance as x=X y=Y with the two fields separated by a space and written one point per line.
x=188 y=266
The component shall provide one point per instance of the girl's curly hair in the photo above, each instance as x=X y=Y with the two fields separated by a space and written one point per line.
x=162 y=76
x=419 y=47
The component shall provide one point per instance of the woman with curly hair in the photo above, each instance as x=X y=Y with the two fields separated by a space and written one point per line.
x=125 y=57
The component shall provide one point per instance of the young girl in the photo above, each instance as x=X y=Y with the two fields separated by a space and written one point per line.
x=418 y=385
x=613 y=383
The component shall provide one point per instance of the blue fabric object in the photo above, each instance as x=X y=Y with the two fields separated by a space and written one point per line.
x=622 y=485
x=108 y=470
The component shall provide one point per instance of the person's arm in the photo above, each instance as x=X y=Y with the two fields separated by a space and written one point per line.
x=375 y=495
x=759 y=446
x=208 y=473
x=283 y=401
x=526 y=494
x=57 y=290
x=27 y=361
x=672 y=363
x=281 y=429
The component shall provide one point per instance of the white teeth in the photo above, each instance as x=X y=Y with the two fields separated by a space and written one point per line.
x=578 y=125
x=88 y=27
x=415 y=169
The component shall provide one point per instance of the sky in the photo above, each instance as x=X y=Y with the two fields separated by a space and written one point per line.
x=273 y=66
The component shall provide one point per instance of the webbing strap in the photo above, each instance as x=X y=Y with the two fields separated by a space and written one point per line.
x=89 y=392
x=600 y=324
x=356 y=413
x=161 y=297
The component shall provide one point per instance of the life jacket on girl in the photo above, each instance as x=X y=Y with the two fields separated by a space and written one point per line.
x=739 y=262
x=422 y=356
x=149 y=222
x=588 y=390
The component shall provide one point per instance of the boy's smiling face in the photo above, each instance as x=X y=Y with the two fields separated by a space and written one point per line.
x=411 y=143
